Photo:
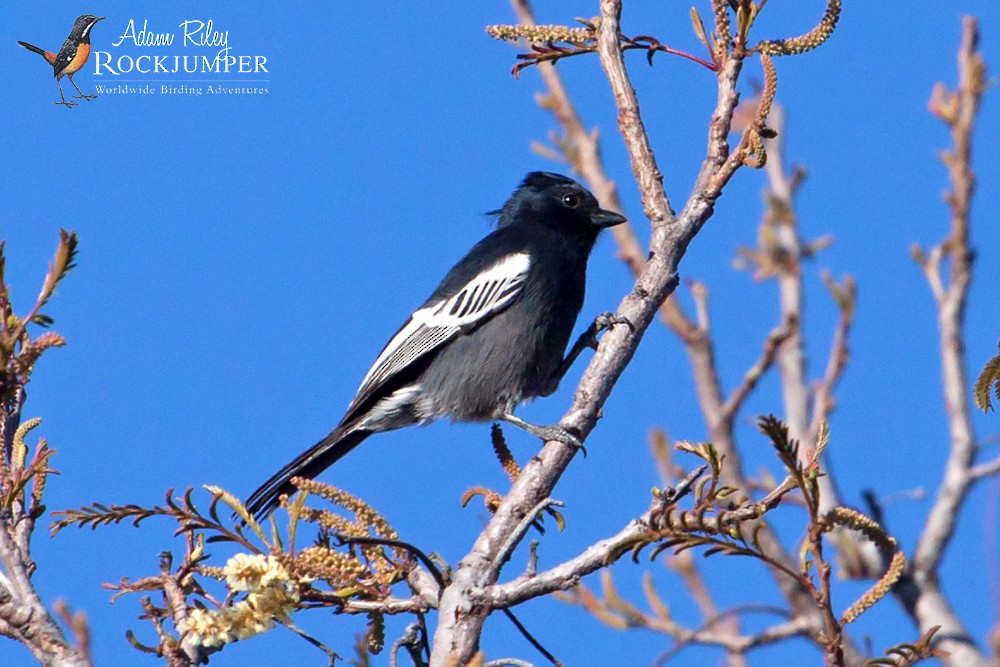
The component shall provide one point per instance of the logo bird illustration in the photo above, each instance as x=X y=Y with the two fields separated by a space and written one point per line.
x=73 y=55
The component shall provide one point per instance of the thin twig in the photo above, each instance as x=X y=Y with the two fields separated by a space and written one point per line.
x=774 y=340
x=387 y=605
x=823 y=400
x=685 y=566
x=507 y=548
x=604 y=552
x=531 y=638
x=986 y=469
x=435 y=572
x=738 y=644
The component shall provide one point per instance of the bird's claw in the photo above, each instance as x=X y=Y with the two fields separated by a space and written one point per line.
x=547 y=433
x=605 y=321
x=562 y=435
x=69 y=105
x=86 y=97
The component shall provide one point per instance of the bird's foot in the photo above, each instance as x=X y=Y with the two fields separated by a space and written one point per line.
x=587 y=339
x=602 y=322
x=86 y=97
x=546 y=433
x=69 y=105
x=554 y=432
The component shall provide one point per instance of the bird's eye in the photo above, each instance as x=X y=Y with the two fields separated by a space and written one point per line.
x=570 y=201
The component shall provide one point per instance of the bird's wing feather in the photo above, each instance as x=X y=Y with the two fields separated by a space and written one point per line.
x=61 y=61
x=490 y=291
x=65 y=56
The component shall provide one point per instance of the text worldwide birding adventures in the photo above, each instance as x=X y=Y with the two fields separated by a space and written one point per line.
x=492 y=335
x=72 y=55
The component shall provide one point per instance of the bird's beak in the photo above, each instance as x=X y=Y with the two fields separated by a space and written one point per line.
x=100 y=18
x=604 y=219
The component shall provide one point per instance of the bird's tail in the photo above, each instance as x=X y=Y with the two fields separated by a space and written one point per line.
x=308 y=464
x=48 y=55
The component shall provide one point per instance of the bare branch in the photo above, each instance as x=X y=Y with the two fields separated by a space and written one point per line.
x=457 y=635
x=736 y=644
x=606 y=551
x=986 y=469
x=388 y=605
x=581 y=150
x=685 y=566
x=961 y=120
x=823 y=399
x=920 y=592
x=781 y=254
x=735 y=401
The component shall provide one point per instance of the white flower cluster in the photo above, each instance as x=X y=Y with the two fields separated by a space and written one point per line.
x=270 y=595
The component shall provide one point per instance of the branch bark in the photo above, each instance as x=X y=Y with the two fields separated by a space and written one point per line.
x=581 y=148
x=606 y=551
x=23 y=615
x=920 y=591
x=464 y=603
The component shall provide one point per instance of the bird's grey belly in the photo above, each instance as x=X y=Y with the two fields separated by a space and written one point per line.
x=490 y=370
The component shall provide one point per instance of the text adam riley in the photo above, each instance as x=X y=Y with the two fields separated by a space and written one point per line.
x=196 y=34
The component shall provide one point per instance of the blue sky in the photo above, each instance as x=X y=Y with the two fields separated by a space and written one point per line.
x=243 y=258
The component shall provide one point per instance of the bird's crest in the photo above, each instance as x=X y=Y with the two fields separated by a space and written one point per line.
x=539 y=180
x=535 y=181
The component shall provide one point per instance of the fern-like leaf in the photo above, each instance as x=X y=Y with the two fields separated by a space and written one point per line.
x=990 y=377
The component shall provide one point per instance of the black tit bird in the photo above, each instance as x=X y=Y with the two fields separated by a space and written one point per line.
x=491 y=336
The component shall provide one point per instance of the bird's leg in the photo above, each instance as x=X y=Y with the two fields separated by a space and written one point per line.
x=69 y=105
x=82 y=94
x=588 y=339
x=544 y=432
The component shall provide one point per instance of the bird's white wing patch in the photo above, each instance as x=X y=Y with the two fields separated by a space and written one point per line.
x=432 y=325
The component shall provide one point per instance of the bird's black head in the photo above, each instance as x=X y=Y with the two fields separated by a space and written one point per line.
x=557 y=202
x=81 y=29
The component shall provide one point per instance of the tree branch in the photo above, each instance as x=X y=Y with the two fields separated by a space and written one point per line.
x=581 y=149
x=941 y=522
x=387 y=605
x=920 y=592
x=463 y=608
x=737 y=644
x=23 y=615
x=735 y=401
x=606 y=551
